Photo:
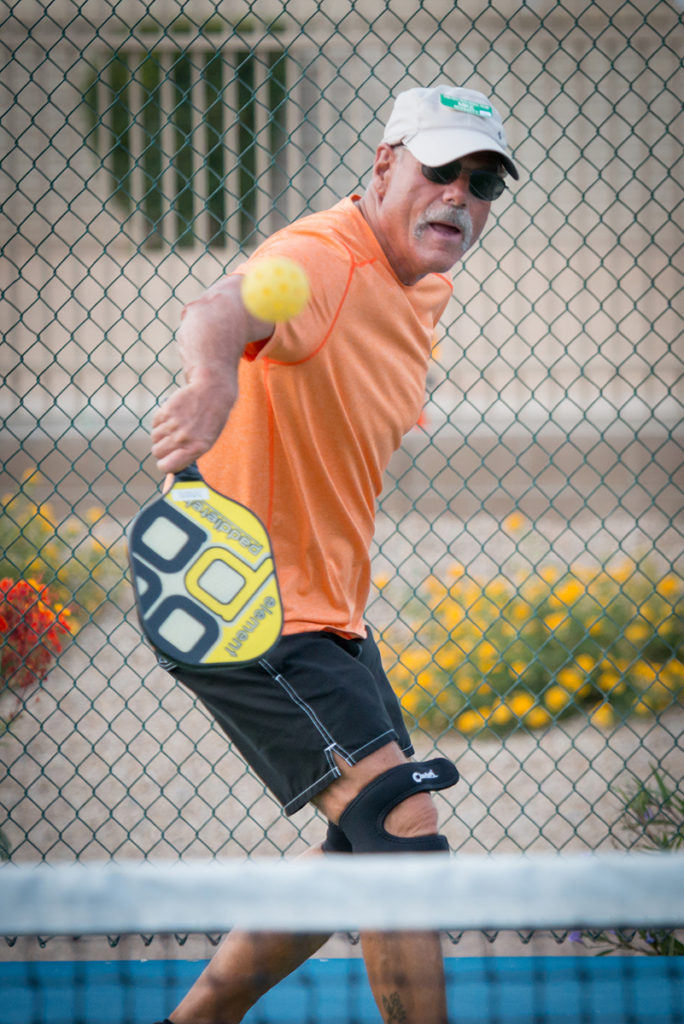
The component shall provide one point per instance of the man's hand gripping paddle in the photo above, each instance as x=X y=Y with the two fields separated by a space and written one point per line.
x=203 y=576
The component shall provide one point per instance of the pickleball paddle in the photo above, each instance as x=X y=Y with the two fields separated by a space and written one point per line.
x=204 y=577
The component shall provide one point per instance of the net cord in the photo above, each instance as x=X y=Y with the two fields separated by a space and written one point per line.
x=346 y=893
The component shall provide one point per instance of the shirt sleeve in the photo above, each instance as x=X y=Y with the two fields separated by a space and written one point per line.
x=328 y=266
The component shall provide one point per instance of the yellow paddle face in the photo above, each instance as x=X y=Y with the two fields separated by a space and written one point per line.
x=204 y=578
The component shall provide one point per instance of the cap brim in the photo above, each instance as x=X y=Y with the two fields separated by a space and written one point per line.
x=438 y=147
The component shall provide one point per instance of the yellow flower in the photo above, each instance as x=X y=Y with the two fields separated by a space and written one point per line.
x=653 y=616
x=537 y=718
x=623 y=572
x=603 y=716
x=520 y=611
x=514 y=522
x=469 y=641
x=673 y=675
x=94 y=514
x=436 y=590
x=448 y=658
x=469 y=721
x=46 y=512
x=471 y=592
x=486 y=655
x=498 y=590
x=657 y=691
x=500 y=715
x=411 y=699
x=482 y=612
x=381 y=580
x=452 y=615
x=637 y=631
x=610 y=681
x=416 y=659
x=586 y=662
x=569 y=592
x=520 y=703
x=571 y=679
x=645 y=674
x=668 y=586
x=426 y=679
x=556 y=698
x=554 y=620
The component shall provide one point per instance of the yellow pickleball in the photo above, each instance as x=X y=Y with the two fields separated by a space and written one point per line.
x=275 y=289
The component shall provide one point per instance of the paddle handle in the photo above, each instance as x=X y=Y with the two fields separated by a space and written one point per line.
x=190 y=472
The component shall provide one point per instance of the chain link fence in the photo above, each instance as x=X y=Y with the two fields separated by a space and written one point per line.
x=528 y=561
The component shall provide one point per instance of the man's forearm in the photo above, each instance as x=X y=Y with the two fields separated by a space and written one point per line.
x=212 y=338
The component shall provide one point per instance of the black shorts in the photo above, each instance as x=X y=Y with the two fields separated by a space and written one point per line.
x=314 y=694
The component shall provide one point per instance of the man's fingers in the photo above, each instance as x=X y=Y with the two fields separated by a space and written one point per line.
x=175 y=460
x=171 y=445
x=187 y=425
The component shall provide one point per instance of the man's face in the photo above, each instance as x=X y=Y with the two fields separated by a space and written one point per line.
x=426 y=227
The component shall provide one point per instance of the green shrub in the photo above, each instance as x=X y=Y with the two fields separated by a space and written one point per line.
x=76 y=559
x=492 y=654
x=653 y=818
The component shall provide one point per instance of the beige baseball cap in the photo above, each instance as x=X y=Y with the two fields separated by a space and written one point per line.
x=446 y=122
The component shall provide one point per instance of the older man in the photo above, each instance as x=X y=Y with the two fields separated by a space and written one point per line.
x=299 y=421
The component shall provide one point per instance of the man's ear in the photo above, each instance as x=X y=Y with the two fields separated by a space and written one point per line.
x=382 y=167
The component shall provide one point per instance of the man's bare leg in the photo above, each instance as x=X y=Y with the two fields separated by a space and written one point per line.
x=406 y=975
x=405 y=969
x=244 y=967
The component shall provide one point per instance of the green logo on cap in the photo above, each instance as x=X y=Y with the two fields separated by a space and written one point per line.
x=467 y=106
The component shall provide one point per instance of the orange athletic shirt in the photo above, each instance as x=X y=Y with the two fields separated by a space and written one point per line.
x=322 y=406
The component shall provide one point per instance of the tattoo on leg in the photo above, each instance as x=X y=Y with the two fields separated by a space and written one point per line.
x=394 y=1009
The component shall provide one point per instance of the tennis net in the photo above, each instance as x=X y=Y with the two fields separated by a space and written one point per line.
x=522 y=936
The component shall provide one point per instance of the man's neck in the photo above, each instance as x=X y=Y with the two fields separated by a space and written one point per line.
x=367 y=207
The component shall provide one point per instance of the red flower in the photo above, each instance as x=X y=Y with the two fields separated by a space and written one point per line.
x=32 y=631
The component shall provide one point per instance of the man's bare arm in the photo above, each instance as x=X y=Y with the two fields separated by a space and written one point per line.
x=212 y=337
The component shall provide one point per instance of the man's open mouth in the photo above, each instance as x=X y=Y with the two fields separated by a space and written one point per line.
x=445 y=229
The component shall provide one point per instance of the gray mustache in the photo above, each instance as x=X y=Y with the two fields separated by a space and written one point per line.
x=451 y=216
x=455 y=217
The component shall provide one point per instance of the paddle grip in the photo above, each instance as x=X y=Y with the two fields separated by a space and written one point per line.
x=190 y=472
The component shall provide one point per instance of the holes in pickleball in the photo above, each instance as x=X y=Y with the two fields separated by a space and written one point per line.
x=165 y=538
x=181 y=630
x=220 y=581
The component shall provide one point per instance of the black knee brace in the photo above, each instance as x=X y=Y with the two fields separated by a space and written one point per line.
x=362 y=821
x=336 y=841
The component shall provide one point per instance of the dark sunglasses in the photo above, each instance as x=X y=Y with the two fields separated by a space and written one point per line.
x=487 y=185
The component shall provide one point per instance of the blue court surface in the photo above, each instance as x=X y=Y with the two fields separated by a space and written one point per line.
x=508 y=990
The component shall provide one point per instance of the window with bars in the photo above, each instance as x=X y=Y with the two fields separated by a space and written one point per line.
x=173 y=124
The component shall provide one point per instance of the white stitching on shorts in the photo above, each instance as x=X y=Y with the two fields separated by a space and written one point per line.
x=316 y=787
x=334 y=772
x=294 y=696
x=357 y=755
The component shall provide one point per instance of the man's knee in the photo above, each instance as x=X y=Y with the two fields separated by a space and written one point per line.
x=394 y=812
x=416 y=815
